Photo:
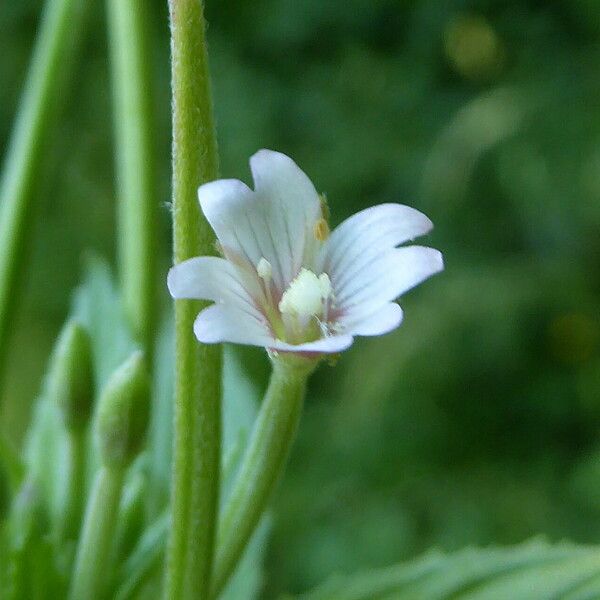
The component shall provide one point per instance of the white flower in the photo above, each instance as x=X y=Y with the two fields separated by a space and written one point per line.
x=285 y=283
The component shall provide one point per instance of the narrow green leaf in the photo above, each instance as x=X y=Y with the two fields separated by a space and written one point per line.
x=98 y=306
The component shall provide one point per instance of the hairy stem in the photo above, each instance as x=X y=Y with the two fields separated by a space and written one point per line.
x=263 y=464
x=93 y=551
x=60 y=28
x=196 y=455
x=132 y=99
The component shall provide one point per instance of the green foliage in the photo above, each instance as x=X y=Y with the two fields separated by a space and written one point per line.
x=138 y=551
x=45 y=455
x=11 y=472
x=28 y=570
x=144 y=560
x=535 y=570
x=160 y=438
x=96 y=303
x=248 y=579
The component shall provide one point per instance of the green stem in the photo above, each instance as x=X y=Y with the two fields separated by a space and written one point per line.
x=91 y=563
x=196 y=454
x=263 y=464
x=60 y=26
x=132 y=99
x=71 y=515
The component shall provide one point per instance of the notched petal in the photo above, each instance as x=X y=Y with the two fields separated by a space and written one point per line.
x=207 y=278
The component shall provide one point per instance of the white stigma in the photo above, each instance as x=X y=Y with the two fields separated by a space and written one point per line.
x=264 y=269
x=305 y=295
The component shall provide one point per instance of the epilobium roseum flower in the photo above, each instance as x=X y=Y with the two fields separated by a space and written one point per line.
x=285 y=283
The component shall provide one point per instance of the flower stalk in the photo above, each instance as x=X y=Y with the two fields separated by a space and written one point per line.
x=70 y=519
x=89 y=575
x=122 y=419
x=132 y=101
x=60 y=28
x=71 y=388
x=197 y=437
x=264 y=462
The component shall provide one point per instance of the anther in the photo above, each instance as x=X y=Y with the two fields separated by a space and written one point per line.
x=264 y=269
x=321 y=230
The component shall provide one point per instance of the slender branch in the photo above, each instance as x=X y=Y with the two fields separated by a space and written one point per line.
x=263 y=464
x=60 y=27
x=132 y=95
x=196 y=455
x=90 y=573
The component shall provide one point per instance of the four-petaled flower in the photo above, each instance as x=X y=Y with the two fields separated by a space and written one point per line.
x=285 y=282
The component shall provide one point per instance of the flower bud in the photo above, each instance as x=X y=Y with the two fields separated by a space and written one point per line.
x=71 y=381
x=123 y=412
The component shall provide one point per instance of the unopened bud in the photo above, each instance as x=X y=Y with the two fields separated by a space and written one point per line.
x=123 y=412
x=71 y=380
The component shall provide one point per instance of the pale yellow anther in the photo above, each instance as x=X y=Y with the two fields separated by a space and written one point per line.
x=305 y=295
x=321 y=230
x=264 y=269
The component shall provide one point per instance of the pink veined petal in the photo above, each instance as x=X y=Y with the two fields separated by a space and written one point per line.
x=327 y=345
x=388 y=276
x=382 y=320
x=369 y=233
x=275 y=221
x=243 y=225
x=207 y=278
x=292 y=206
x=224 y=323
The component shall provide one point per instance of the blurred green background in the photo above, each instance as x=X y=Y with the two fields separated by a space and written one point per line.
x=477 y=421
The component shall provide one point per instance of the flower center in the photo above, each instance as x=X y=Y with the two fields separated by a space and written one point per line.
x=302 y=313
x=306 y=295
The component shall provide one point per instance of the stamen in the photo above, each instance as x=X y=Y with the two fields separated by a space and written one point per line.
x=306 y=294
x=321 y=230
x=324 y=206
x=264 y=270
